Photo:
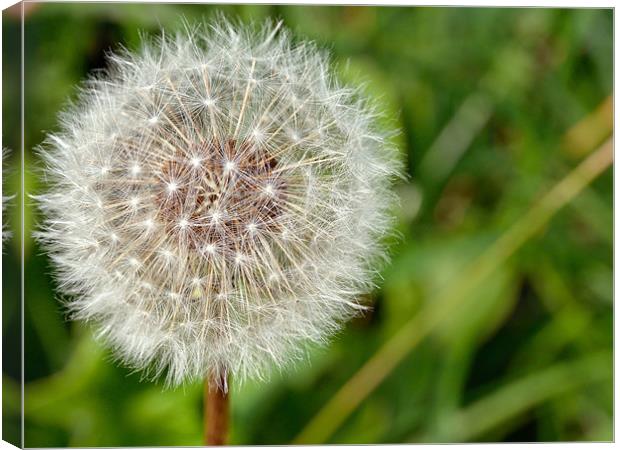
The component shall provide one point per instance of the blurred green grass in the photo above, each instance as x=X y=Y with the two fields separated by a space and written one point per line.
x=487 y=101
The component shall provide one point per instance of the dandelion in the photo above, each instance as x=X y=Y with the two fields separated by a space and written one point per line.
x=217 y=202
x=6 y=199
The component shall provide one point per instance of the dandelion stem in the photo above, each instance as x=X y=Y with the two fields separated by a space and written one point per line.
x=216 y=411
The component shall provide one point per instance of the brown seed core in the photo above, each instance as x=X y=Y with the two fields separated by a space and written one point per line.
x=221 y=194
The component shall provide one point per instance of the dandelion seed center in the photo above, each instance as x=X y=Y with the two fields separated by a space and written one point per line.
x=220 y=189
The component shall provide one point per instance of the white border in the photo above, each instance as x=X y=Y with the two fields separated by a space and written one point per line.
x=447 y=3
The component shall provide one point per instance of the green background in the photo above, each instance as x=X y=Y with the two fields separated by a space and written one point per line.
x=495 y=107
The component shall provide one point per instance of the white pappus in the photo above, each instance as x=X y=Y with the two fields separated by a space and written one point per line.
x=6 y=199
x=216 y=201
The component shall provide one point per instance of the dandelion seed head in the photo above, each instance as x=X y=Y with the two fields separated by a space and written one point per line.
x=6 y=199
x=230 y=236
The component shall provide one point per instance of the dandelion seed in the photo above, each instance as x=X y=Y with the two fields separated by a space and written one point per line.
x=195 y=162
x=134 y=262
x=252 y=227
x=258 y=134
x=216 y=216
x=229 y=166
x=209 y=248
x=171 y=187
x=273 y=277
x=269 y=189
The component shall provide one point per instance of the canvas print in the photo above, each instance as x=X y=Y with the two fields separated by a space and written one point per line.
x=298 y=224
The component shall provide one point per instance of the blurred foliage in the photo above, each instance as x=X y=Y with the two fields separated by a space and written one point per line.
x=495 y=106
